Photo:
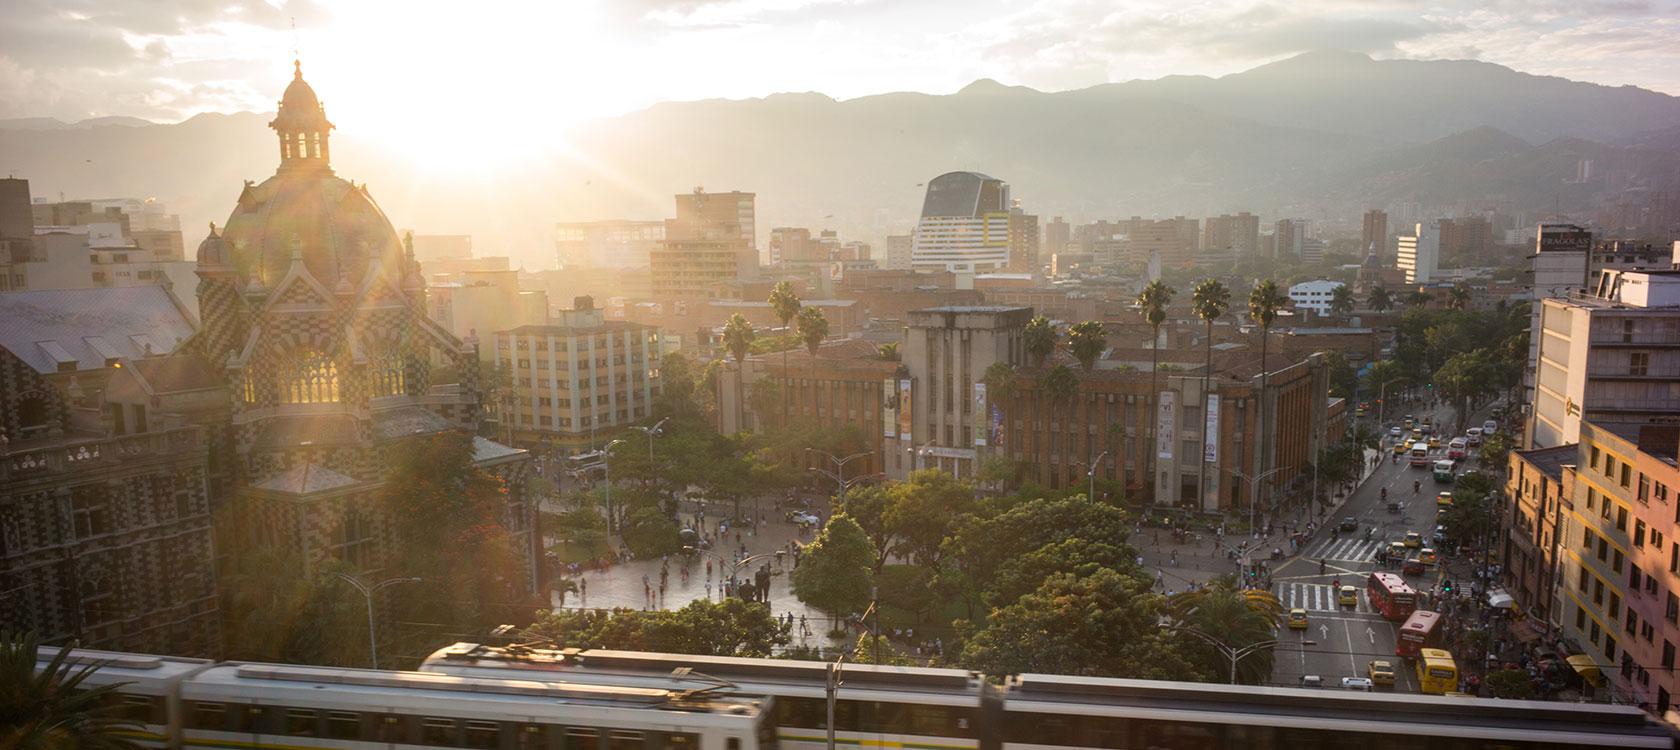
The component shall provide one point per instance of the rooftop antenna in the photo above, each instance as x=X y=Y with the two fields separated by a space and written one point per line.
x=295 y=53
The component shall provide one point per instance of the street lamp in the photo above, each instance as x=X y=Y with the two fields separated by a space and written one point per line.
x=1091 y=474
x=650 y=432
x=734 y=567
x=1254 y=491
x=367 y=593
x=606 y=466
x=1234 y=654
x=1382 y=397
x=839 y=473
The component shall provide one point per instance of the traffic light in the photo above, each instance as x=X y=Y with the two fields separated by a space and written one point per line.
x=1430 y=386
x=1447 y=586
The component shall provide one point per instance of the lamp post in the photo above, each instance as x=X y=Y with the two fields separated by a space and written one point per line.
x=1234 y=654
x=650 y=432
x=839 y=468
x=734 y=567
x=1091 y=475
x=606 y=466
x=1254 y=491
x=367 y=593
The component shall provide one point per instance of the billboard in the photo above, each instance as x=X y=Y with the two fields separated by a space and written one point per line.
x=905 y=410
x=889 y=408
x=1210 y=436
x=982 y=425
x=1164 y=424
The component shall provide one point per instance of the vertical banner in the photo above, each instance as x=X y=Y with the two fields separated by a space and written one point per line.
x=982 y=425
x=905 y=410
x=1210 y=436
x=1164 y=424
x=996 y=422
x=889 y=408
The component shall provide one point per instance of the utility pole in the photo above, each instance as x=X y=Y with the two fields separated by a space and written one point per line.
x=367 y=593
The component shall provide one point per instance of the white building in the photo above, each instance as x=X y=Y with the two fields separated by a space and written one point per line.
x=964 y=224
x=1420 y=252
x=898 y=252
x=1314 y=295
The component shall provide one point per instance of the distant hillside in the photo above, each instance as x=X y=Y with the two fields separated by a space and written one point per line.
x=1318 y=134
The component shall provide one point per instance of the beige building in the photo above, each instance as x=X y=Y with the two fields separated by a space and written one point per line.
x=616 y=243
x=582 y=376
x=1239 y=234
x=709 y=246
x=947 y=351
x=481 y=302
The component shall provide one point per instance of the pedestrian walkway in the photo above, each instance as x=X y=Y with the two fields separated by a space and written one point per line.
x=1346 y=550
x=1318 y=597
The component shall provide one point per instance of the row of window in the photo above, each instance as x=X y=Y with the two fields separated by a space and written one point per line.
x=435 y=731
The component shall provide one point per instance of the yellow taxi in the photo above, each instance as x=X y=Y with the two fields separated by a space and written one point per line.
x=1444 y=499
x=1348 y=596
x=1297 y=619
x=1381 y=672
x=1397 y=550
x=1427 y=556
x=1434 y=441
x=1401 y=447
x=1413 y=539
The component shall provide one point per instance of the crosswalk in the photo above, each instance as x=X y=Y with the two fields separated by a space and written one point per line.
x=1346 y=550
x=1318 y=597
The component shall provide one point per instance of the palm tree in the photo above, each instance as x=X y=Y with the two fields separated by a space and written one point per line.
x=1210 y=299
x=1264 y=301
x=1418 y=298
x=1379 y=299
x=1087 y=342
x=889 y=351
x=1341 y=300
x=1153 y=302
x=1060 y=386
x=1039 y=339
x=813 y=328
x=55 y=709
x=784 y=302
x=1238 y=618
x=1000 y=385
x=738 y=336
x=1458 y=298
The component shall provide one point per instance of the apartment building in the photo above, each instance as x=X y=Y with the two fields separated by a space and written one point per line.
x=576 y=379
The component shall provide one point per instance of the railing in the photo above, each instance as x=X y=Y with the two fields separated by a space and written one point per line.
x=79 y=455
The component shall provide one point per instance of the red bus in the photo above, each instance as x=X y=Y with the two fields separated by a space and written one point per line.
x=1420 y=632
x=1391 y=595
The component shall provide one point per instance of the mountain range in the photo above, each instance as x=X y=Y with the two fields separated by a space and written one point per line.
x=1323 y=134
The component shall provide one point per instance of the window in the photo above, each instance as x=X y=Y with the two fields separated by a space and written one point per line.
x=1598 y=591
x=1638 y=533
x=1580 y=617
x=1673 y=613
x=1638 y=363
x=1616 y=561
x=1584 y=581
x=313 y=380
x=483 y=734
x=1644 y=493
x=213 y=716
x=90 y=510
x=1594 y=460
x=531 y=737
x=1634 y=576
x=1632 y=622
x=300 y=722
x=439 y=732
x=389 y=375
x=1627 y=476
x=1646 y=631
x=1668 y=655
x=1615 y=609
x=1609 y=647
x=343 y=725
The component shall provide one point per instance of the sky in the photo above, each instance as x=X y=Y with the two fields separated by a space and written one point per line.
x=516 y=70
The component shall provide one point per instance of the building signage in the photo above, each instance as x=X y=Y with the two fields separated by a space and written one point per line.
x=940 y=451
x=996 y=422
x=889 y=408
x=905 y=409
x=982 y=425
x=1165 y=421
x=1210 y=437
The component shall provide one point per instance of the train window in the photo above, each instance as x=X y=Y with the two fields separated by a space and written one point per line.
x=300 y=722
x=440 y=732
x=938 y=721
x=141 y=708
x=207 y=715
x=619 y=739
x=1039 y=729
x=532 y=737
x=248 y=719
x=734 y=743
x=579 y=738
x=344 y=725
x=389 y=729
x=483 y=734
x=880 y=717
x=674 y=741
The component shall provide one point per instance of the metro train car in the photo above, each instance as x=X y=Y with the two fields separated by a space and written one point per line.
x=1055 y=712
x=935 y=709
x=150 y=695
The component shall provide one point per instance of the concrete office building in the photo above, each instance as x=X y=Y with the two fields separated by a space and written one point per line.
x=947 y=351
x=616 y=243
x=1420 y=253
x=1057 y=234
x=708 y=247
x=898 y=252
x=1559 y=269
x=964 y=225
x=1610 y=354
x=1314 y=295
x=1374 y=232
x=1287 y=236
x=1240 y=233
x=577 y=379
x=1023 y=241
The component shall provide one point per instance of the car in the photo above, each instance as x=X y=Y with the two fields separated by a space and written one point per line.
x=1490 y=427
x=1434 y=441
x=1348 y=597
x=1297 y=619
x=1361 y=684
x=1413 y=540
x=1443 y=471
x=1401 y=448
x=1397 y=551
x=1311 y=681
x=804 y=518
x=1349 y=524
x=1380 y=671
x=1444 y=499
x=1412 y=567
x=1427 y=556
x=1440 y=536
x=1395 y=431
x=1473 y=436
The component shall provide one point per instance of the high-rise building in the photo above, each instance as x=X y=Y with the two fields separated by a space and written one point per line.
x=17 y=234
x=708 y=247
x=1287 y=236
x=1375 y=232
x=1466 y=238
x=1057 y=235
x=947 y=351
x=1023 y=241
x=793 y=244
x=1609 y=354
x=1313 y=250
x=582 y=375
x=964 y=224
x=1175 y=240
x=898 y=252
x=1240 y=233
x=1420 y=253
x=615 y=243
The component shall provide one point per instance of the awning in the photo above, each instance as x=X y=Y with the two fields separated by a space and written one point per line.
x=1589 y=671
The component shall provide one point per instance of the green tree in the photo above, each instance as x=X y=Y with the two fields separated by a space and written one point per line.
x=1023 y=574
x=1233 y=616
x=837 y=570
x=784 y=302
x=867 y=505
x=922 y=511
x=1344 y=380
x=1418 y=298
x=1210 y=300
x=889 y=351
x=1086 y=341
x=1039 y=339
x=731 y=627
x=763 y=399
x=1264 y=302
x=1458 y=298
x=649 y=532
x=55 y=709
x=1103 y=624
x=1512 y=684
x=738 y=336
x=1341 y=300
x=1494 y=450
x=813 y=328
x=1153 y=302
x=1379 y=299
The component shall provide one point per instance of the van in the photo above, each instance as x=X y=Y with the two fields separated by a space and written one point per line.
x=1458 y=448
x=1473 y=436
x=1419 y=454
x=1490 y=427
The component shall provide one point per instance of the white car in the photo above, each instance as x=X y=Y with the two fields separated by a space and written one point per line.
x=1395 y=431
x=1362 y=684
x=804 y=518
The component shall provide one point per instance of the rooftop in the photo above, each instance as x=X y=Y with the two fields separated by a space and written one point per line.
x=604 y=326
x=1550 y=461
x=70 y=330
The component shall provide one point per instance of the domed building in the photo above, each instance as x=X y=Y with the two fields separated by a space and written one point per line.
x=313 y=311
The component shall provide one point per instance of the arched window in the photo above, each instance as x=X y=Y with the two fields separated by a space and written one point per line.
x=312 y=380
x=248 y=386
x=389 y=378
x=355 y=539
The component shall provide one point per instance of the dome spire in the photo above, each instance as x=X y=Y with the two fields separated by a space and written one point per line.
x=302 y=125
